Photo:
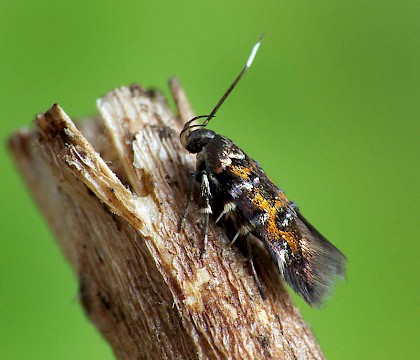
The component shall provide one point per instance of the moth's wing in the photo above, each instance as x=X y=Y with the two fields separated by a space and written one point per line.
x=311 y=274
x=334 y=259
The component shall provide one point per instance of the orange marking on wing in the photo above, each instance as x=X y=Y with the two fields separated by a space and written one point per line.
x=241 y=171
x=291 y=240
x=271 y=226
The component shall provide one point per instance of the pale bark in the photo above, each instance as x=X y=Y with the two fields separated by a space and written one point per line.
x=113 y=191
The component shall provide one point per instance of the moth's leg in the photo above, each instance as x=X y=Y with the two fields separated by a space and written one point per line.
x=228 y=207
x=250 y=226
x=243 y=230
x=205 y=208
x=254 y=273
x=190 y=198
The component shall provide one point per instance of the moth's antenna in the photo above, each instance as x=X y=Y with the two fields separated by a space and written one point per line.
x=232 y=86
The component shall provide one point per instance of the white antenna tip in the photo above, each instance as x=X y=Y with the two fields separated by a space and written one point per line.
x=253 y=53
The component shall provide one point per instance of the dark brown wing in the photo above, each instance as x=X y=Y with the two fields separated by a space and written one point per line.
x=307 y=261
x=311 y=273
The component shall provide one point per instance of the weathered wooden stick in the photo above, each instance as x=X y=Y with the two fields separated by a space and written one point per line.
x=113 y=191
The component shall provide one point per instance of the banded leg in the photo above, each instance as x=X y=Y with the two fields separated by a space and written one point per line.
x=228 y=207
x=205 y=209
x=190 y=198
x=242 y=231
x=258 y=221
x=253 y=271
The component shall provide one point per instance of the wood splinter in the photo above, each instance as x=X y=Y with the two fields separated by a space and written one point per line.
x=114 y=190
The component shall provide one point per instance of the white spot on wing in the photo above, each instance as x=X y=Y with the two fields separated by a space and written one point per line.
x=287 y=219
x=237 y=155
x=281 y=261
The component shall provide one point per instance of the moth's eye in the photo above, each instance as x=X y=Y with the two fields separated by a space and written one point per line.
x=198 y=139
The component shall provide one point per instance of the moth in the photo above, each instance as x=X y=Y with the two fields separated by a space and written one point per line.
x=234 y=185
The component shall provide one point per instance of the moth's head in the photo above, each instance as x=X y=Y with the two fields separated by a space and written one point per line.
x=195 y=137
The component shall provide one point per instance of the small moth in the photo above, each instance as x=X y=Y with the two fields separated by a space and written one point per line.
x=234 y=185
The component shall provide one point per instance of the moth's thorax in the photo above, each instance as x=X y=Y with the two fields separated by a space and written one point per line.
x=220 y=153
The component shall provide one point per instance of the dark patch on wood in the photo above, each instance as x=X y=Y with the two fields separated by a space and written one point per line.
x=265 y=343
x=118 y=221
x=105 y=300
x=146 y=182
x=166 y=132
x=84 y=294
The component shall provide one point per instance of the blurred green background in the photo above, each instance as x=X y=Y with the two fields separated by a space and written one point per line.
x=330 y=109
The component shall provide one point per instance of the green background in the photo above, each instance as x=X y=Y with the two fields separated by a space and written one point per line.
x=330 y=109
